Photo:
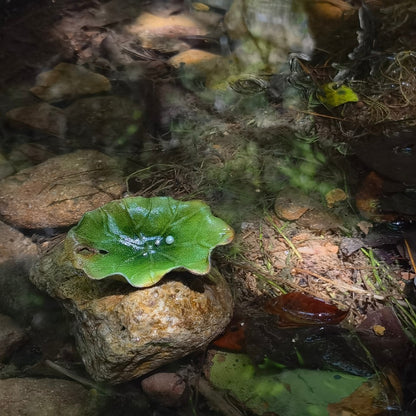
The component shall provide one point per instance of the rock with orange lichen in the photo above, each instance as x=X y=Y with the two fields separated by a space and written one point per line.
x=122 y=332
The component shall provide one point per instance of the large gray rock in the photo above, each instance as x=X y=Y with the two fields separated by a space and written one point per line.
x=68 y=81
x=57 y=192
x=123 y=332
x=45 y=397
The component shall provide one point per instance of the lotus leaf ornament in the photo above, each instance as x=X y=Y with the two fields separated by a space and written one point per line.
x=142 y=239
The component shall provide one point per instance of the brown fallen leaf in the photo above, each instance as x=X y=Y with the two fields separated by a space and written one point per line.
x=233 y=337
x=297 y=309
x=370 y=399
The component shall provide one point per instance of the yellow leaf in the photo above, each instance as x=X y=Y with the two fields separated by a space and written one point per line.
x=331 y=95
x=200 y=7
x=334 y=196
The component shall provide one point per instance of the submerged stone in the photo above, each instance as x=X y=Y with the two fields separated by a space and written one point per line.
x=166 y=389
x=46 y=397
x=164 y=33
x=57 y=192
x=68 y=81
x=42 y=117
x=277 y=28
x=18 y=297
x=12 y=336
x=291 y=204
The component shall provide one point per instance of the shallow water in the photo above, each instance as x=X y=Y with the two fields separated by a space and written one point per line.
x=216 y=101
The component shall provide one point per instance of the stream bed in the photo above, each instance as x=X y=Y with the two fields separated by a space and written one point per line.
x=293 y=122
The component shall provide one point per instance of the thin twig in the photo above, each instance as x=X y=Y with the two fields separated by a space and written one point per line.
x=274 y=280
x=340 y=285
x=409 y=252
x=72 y=375
x=313 y=113
x=216 y=399
x=287 y=240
